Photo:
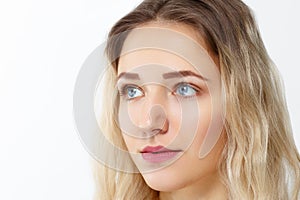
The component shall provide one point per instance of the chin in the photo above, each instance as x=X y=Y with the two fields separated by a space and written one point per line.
x=163 y=180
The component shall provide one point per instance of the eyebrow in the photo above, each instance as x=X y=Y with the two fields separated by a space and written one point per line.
x=128 y=75
x=169 y=75
x=184 y=73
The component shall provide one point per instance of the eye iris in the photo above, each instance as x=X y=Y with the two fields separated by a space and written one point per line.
x=183 y=89
x=186 y=90
x=131 y=92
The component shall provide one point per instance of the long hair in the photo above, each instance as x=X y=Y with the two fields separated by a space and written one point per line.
x=260 y=159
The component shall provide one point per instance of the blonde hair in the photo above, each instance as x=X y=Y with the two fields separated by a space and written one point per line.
x=260 y=159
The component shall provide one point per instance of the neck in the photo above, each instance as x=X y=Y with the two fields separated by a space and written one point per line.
x=207 y=188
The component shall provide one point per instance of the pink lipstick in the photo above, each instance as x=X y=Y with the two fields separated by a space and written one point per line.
x=158 y=154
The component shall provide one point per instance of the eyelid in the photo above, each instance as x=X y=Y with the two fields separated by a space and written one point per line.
x=123 y=87
x=192 y=85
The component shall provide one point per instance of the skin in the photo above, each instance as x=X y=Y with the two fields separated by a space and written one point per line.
x=189 y=177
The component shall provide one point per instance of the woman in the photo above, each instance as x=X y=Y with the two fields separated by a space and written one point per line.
x=200 y=122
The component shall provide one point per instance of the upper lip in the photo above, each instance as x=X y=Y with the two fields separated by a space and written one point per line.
x=151 y=149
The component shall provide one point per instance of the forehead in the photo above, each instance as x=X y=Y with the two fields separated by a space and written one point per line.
x=177 y=47
x=152 y=57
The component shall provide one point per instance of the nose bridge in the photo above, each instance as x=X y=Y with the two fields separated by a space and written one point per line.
x=154 y=110
x=156 y=95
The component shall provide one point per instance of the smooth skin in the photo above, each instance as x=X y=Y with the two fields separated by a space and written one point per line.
x=189 y=177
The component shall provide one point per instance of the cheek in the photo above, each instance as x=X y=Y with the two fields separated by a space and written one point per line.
x=130 y=142
x=192 y=125
x=205 y=116
x=136 y=112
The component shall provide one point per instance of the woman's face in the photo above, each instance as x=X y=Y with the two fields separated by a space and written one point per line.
x=170 y=110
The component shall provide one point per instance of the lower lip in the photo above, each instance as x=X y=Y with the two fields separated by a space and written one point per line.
x=158 y=157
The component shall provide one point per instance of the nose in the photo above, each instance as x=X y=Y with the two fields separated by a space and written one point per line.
x=157 y=122
x=146 y=117
x=153 y=116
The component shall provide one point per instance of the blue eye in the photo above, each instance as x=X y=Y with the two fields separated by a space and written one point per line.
x=185 y=90
x=132 y=92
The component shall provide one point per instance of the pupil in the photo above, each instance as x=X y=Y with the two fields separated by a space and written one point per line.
x=132 y=92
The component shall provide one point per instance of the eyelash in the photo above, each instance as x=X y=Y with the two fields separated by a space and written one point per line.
x=198 y=90
x=123 y=92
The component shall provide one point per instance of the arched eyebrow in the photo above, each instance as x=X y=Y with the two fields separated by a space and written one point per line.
x=128 y=75
x=178 y=74
x=169 y=75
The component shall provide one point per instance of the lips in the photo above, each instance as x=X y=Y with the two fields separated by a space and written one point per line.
x=157 y=154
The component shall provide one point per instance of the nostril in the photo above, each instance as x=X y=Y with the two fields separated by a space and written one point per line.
x=153 y=132
x=165 y=126
x=159 y=131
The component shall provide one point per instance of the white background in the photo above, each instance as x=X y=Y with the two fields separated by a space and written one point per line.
x=42 y=46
